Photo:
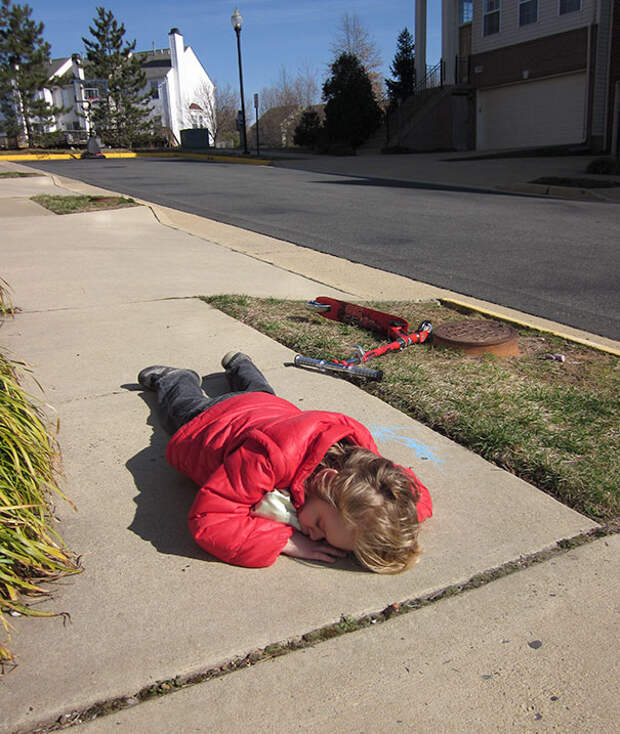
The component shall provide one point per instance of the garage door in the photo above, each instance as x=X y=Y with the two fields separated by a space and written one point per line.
x=545 y=112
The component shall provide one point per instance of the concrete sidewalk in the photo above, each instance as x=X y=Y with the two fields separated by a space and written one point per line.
x=466 y=171
x=104 y=294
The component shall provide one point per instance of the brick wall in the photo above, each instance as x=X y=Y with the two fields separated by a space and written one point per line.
x=560 y=53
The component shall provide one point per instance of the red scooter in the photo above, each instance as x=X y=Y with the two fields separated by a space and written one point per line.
x=393 y=327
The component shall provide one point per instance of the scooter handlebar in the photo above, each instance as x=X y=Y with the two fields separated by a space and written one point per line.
x=324 y=365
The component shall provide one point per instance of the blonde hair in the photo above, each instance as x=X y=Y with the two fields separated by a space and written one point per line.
x=377 y=499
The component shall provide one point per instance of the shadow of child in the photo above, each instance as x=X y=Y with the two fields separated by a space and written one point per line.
x=164 y=495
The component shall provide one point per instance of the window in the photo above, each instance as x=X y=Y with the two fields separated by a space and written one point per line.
x=528 y=11
x=154 y=90
x=569 y=6
x=466 y=11
x=491 y=17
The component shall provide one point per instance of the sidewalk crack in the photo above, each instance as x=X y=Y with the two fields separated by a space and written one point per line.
x=345 y=625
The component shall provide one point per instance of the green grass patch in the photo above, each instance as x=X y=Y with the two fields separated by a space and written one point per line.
x=19 y=174
x=553 y=424
x=78 y=203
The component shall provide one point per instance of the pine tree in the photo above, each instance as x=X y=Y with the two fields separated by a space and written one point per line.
x=24 y=71
x=308 y=130
x=403 y=69
x=351 y=112
x=123 y=114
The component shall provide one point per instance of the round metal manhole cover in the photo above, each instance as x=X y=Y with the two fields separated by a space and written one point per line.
x=478 y=336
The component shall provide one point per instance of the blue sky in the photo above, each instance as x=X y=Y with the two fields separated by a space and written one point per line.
x=293 y=34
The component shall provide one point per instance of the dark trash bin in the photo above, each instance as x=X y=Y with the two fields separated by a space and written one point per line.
x=195 y=137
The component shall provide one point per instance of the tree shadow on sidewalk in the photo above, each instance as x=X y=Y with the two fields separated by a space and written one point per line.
x=164 y=495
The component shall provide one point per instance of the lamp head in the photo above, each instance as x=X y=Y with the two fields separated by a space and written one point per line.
x=236 y=20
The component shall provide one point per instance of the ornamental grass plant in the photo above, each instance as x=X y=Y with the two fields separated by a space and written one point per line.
x=31 y=551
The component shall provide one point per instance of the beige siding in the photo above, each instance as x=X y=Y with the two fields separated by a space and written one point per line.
x=549 y=22
x=538 y=113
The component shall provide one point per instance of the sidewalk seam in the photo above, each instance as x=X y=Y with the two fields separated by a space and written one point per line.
x=345 y=625
x=449 y=299
x=246 y=254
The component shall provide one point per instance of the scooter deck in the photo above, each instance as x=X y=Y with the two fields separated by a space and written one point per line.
x=368 y=318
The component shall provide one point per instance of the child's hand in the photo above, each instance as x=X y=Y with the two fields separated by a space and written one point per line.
x=300 y=546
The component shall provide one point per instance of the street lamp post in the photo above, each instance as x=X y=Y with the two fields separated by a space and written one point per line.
x=237 y=20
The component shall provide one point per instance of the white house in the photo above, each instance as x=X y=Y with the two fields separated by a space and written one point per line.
x=182 y=95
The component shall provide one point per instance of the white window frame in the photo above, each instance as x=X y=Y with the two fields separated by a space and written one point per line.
x=578 y=9
x=522 y=3
x=470 y=13
x=491 y=8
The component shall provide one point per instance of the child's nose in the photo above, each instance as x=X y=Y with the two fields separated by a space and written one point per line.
x=316 y=534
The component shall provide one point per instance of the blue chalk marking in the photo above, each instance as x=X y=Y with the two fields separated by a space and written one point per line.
x=391 y=434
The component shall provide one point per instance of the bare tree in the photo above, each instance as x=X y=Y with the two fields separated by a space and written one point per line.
x=219 y=107
x=301 y=90
x=352 y=38
x=226 y=105
x=307 y=86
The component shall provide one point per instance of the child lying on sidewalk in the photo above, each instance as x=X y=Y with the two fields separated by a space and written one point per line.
x=275 y=479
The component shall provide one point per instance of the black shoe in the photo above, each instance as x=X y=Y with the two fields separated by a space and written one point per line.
x=230 y=357
x=149 y=377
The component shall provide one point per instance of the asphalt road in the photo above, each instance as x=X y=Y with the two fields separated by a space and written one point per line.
x=556 y=259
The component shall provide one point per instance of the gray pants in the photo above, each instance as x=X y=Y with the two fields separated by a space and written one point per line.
x=180 y=395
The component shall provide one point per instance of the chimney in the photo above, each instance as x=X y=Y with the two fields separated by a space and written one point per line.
x=177 y=49
x=77 y=67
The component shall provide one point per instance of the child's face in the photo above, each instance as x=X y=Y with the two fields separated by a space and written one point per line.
x=320 y=521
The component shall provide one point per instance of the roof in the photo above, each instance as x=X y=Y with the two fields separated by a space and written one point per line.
x=157 y=58
x=55 y=65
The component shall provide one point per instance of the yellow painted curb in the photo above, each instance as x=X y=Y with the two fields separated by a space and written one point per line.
x=202 y=156
x=529 y=325
x=163 y=154
x=38 y=157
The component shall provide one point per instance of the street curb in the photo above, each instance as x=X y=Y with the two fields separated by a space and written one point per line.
x=519 y=189
x=554 y=192
x=562 y=331
x=164 y=154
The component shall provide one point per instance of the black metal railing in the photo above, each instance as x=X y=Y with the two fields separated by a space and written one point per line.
x=433 y=78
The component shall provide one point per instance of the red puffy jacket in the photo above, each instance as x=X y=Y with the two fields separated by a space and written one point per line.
x=248 y=445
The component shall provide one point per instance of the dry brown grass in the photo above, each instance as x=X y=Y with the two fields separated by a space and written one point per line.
x=553 y=424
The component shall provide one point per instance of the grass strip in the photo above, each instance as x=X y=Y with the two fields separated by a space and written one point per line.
x=73 y=204
x=19 y=174
x=553 y=424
